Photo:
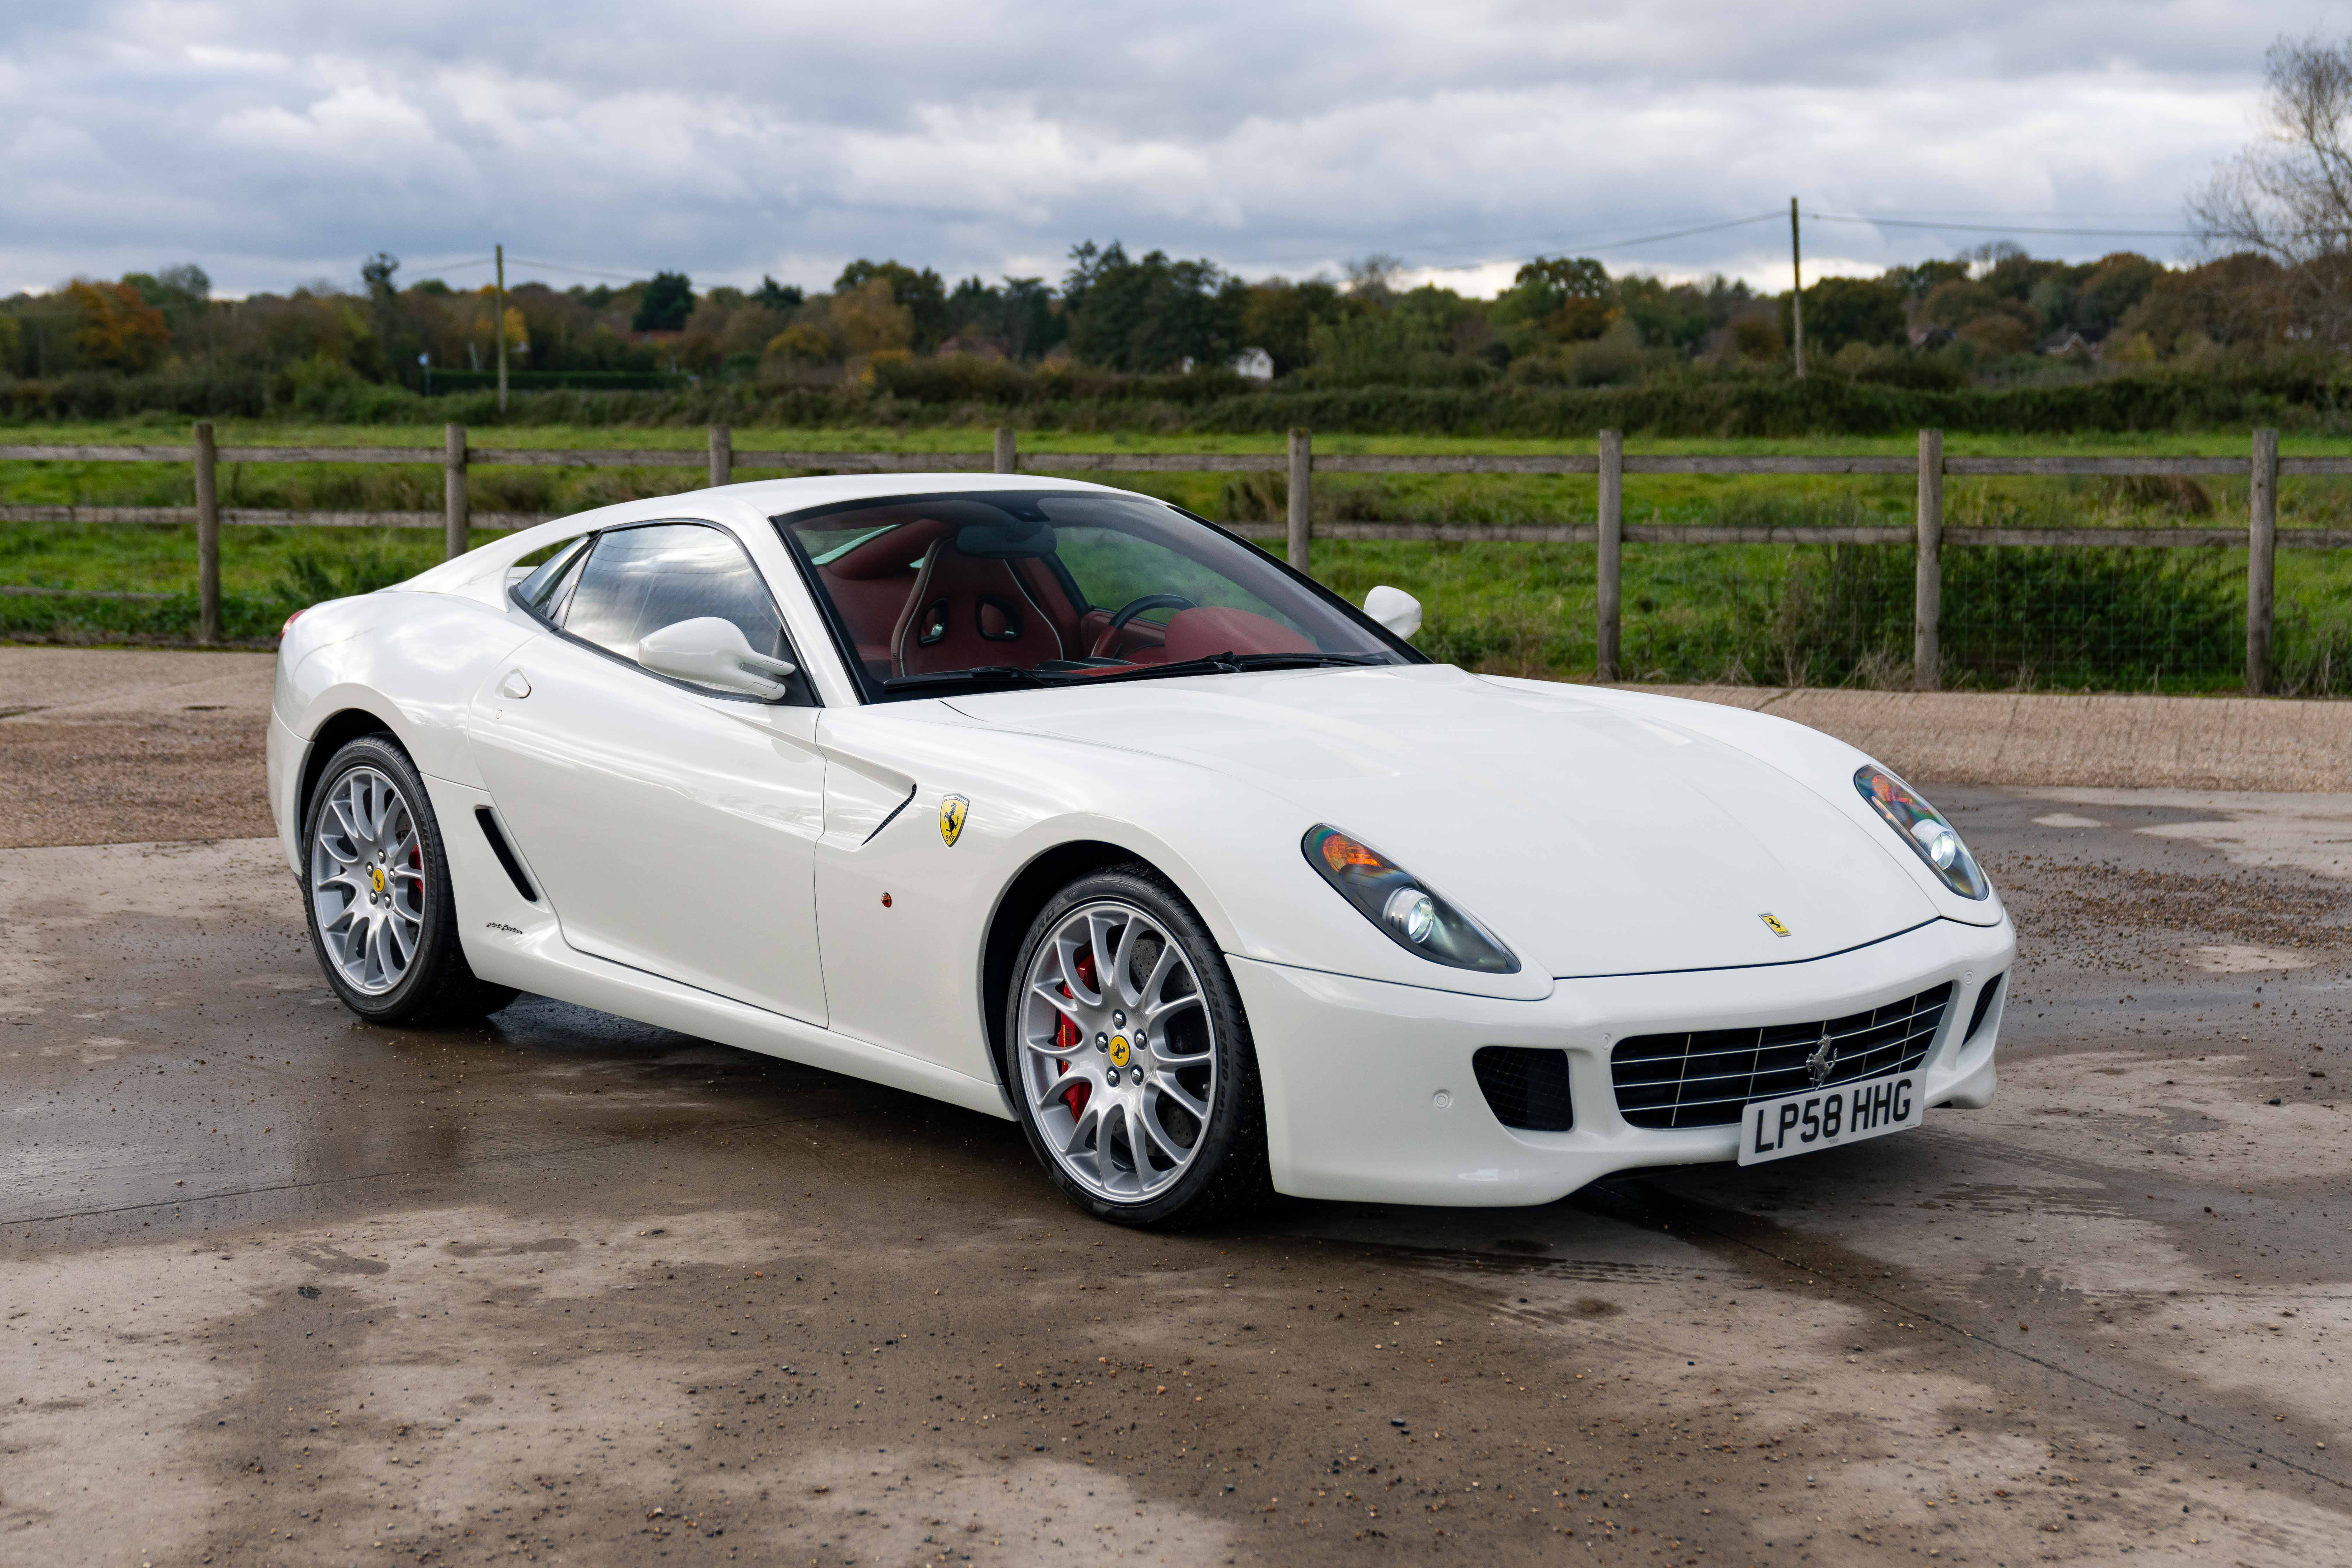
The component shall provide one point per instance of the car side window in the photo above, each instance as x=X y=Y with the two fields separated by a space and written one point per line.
x=639 y=580
x=547 y=589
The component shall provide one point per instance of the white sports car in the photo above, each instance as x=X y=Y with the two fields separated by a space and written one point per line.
x=1061 y=804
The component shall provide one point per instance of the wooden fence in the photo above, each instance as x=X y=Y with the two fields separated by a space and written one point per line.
x=2262 y=468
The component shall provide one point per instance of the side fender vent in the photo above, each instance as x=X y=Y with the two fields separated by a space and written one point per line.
x=1985 y=998
x=505 y=852
x=1526 y=1087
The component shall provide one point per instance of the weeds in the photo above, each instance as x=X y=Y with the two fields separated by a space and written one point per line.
x=312 y=575
x=2176 y=493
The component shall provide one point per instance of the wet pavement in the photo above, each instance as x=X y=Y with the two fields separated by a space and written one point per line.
x=280 y=1287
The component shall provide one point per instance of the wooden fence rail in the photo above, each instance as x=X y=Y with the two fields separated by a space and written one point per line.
x=723 y=461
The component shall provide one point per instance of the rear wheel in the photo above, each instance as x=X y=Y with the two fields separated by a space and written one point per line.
x=1129 y=1058
x=384 y=918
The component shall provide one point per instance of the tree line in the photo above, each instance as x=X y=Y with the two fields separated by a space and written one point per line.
x=1565 y=320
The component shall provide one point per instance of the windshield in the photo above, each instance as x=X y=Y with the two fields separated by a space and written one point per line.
x=1012 y=587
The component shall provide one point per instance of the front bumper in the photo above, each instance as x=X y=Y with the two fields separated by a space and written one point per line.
x=1370 y=1094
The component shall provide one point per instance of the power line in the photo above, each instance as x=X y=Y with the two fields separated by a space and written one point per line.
x=521 y=261
x=1964 y=213
x=2005 y=227
x=1586 y=244
x=1661 y=239
x=583 y=272
x=1424 y=260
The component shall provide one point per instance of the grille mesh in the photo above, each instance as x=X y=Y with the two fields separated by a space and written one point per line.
x=1526 y=1087
x=1704 y=1077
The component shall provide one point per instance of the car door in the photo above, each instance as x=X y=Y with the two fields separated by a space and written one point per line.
x=673 y=825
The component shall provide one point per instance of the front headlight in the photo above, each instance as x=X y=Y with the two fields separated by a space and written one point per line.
x=1410 y=915
x=1922 y=827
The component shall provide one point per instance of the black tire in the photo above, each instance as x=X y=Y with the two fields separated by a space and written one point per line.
x=438 y=986
x=1227 y=1173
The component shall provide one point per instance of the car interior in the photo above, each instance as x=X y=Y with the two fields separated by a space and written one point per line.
x=944 y=583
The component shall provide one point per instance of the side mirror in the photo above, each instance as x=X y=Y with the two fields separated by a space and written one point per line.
x=713 y=652
x=1395 y=608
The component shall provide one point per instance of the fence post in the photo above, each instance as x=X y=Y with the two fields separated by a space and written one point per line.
x=722 y=455
x=2262 y=558
x=1612 y=551
x=455 y=518
x=1928 y=605
x=208 y=598
x=1302 y=468
x=1007 y=456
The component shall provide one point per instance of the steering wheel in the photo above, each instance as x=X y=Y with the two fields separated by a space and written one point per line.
x=1133 y=608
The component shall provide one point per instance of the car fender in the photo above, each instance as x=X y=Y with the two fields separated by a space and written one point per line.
x=1232 y=847
x=408 y=660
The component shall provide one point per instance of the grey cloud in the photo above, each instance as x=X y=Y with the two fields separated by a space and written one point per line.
x=275 y=141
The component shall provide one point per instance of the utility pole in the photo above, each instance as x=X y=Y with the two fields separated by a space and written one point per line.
x=501 y=252
x=1796 y=301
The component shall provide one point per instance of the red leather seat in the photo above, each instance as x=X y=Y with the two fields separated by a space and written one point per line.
x=967 y=611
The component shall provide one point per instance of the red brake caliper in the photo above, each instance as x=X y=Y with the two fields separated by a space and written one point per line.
x=1065 y=1035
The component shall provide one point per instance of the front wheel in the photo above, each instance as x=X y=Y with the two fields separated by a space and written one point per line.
x=384 y=917
x=1130 y=1059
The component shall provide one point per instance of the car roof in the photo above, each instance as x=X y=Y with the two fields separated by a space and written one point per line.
x=746 y=506
x=772 y=497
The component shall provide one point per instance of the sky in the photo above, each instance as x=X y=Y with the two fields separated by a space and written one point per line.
x=278 y=143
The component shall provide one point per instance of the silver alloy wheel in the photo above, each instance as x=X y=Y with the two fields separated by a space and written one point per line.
x=367 y=881
x=1117 y=1053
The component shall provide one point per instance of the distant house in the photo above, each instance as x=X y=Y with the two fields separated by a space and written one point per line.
x=2068 y=344
x=1254 y=363
x=1931 y=337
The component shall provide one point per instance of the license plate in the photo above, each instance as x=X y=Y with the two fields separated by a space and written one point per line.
x=1829 y=1117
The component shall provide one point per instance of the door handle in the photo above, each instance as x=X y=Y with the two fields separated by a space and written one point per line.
x=514 y=685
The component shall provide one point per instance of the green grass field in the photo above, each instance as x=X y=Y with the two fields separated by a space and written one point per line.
x=2119 y=619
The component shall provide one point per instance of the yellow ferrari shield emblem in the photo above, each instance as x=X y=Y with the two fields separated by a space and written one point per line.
x=375 y=877
x=1773 y=922
x=1119 y=1051
x=952 y=811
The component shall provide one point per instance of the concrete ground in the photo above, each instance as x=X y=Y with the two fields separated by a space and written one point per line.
x=280 y=1287
x=113 y=745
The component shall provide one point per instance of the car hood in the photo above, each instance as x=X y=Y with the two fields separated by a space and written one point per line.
x=1594 y=841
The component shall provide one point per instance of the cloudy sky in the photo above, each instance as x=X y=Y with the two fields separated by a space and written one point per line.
x=278 y=141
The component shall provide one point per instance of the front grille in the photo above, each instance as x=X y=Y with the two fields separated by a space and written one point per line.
x=1526 y=1087
x=1703 y=1079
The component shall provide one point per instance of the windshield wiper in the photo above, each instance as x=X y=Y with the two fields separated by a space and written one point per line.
x=1232 y=663
x=1303 y=661
x=1227 y=663
x=1007 y=672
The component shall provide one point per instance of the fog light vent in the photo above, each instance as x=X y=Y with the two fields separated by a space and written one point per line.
x=1526 y=1087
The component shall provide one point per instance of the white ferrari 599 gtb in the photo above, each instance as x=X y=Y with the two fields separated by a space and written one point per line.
x=1059 y=803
